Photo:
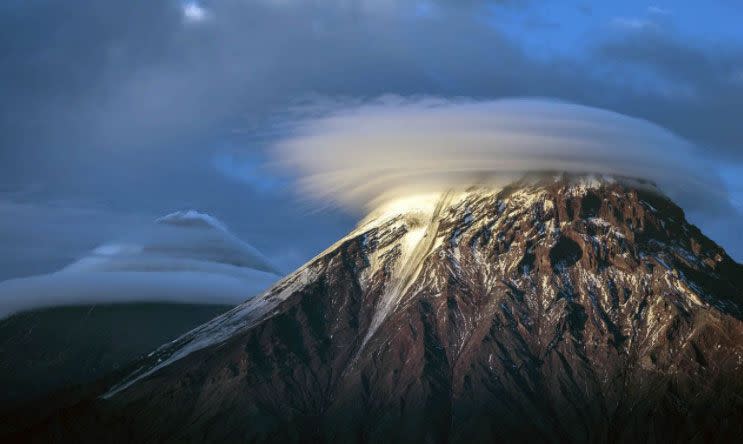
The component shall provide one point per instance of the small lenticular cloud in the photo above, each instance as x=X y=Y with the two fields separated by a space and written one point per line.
x=185 y=257
x=355 y=156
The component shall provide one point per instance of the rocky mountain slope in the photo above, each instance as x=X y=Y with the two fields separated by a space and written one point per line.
x=565 y=309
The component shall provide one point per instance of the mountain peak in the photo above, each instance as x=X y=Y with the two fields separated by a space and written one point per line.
x=191 y=218
x=422 y=204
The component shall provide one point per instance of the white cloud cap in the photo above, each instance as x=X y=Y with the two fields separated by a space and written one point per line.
x=355 y=155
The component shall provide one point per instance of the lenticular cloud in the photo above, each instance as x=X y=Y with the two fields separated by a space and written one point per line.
x=357 y=155
x=185 y=257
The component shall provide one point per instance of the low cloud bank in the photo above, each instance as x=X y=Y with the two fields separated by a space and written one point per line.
x=185 y=257
x=358 y=155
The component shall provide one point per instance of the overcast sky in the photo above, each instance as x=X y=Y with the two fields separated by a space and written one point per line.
x=115 y=113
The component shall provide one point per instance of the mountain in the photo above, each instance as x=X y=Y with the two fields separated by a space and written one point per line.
x=121 y=301
x=553 y=310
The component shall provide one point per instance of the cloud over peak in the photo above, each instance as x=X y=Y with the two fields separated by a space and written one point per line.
x=356 y=155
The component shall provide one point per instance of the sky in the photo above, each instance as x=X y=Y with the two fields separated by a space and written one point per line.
x=114 y=113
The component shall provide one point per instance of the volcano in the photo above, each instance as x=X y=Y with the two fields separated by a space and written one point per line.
x=560 y=309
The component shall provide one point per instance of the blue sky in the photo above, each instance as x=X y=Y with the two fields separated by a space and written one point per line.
x=115 y=113
x=570 y=27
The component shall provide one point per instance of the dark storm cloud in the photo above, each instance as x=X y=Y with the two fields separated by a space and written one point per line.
x=121 y=74
x=64 y=61
x=116 y=75
x=133 y=109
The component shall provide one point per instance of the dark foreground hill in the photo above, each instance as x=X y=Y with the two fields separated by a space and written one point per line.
x=49 y=349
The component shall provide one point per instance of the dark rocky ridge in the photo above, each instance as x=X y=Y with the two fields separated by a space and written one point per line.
x=564 y=310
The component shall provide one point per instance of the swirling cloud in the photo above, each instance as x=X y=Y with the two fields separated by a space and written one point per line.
x=356 y=155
